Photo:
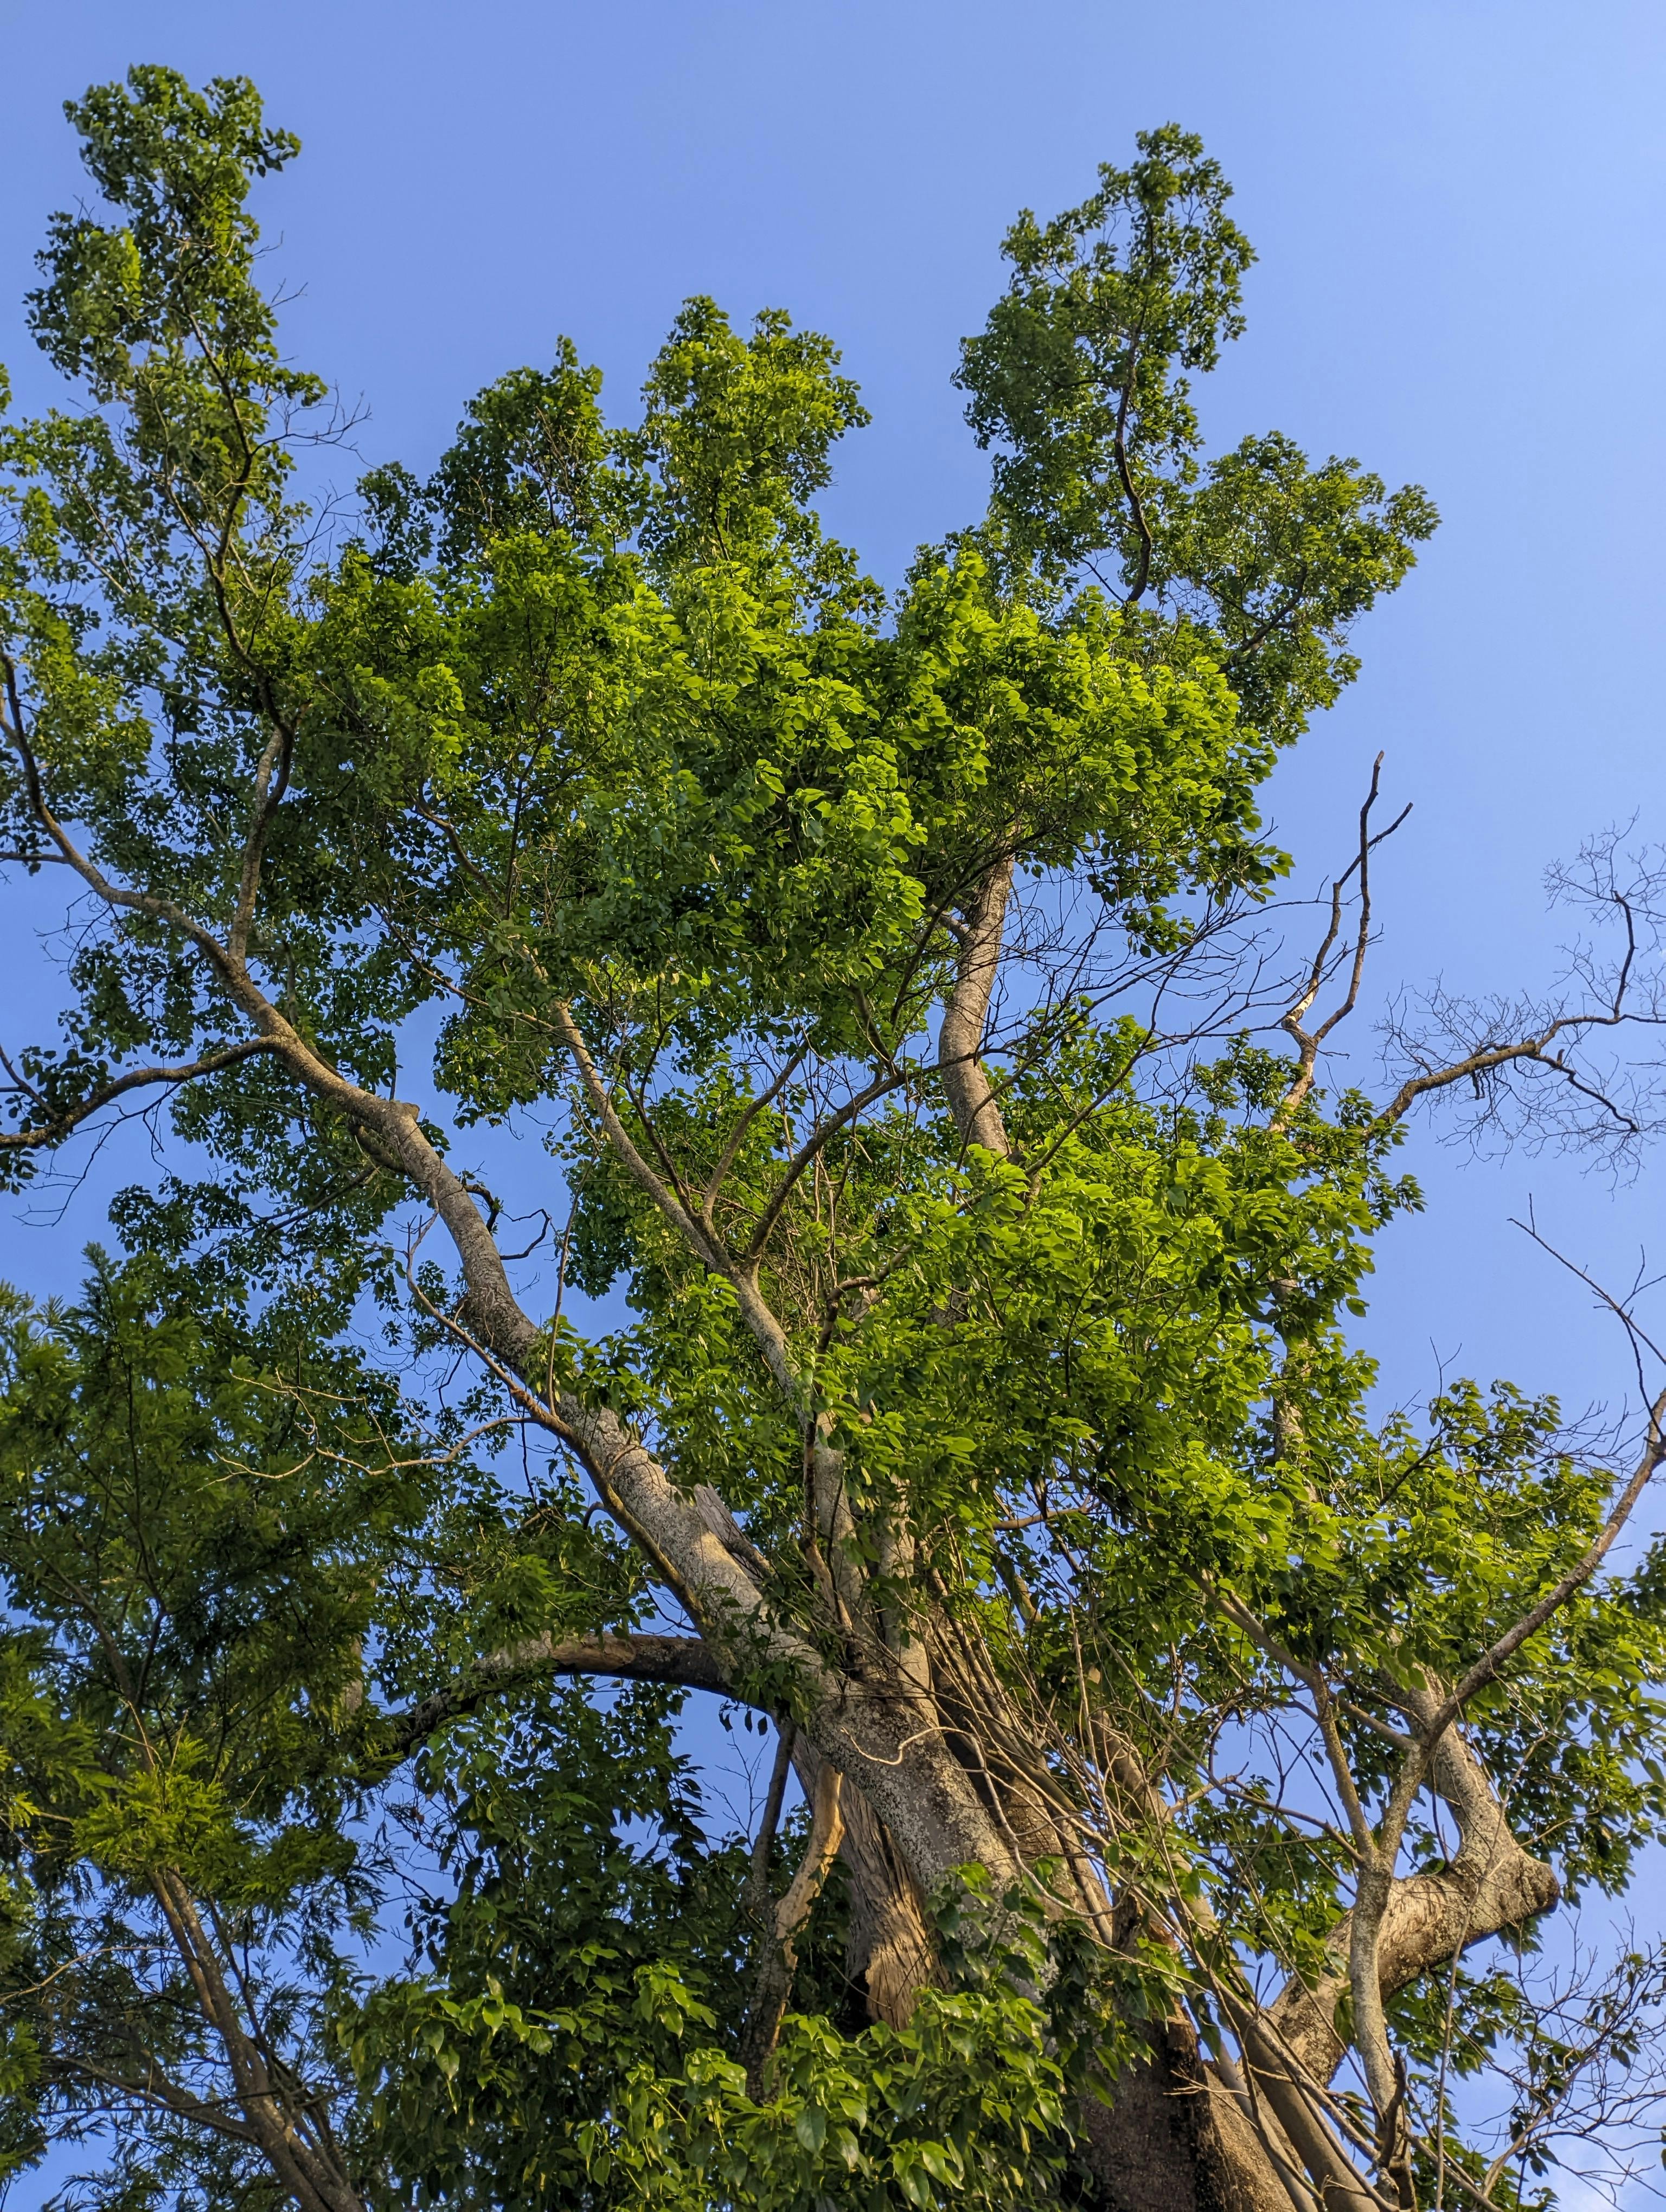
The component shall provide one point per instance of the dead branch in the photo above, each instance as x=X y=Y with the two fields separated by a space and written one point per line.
x=1564 y=1095
x=1309 y=1042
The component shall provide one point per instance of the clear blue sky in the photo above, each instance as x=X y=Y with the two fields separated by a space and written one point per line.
x=1458 y=208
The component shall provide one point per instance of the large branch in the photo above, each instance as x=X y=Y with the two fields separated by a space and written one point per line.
x=684 y=1661
x=1535 y=1051
x=1492 y=1883
x=1414 y=1923
x=41 y=1135
x=871 y=1727
x=873 y=1730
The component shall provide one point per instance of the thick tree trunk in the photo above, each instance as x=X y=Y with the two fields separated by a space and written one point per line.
x=941 y=1755
x=889 y=1952
x=1174 y=2139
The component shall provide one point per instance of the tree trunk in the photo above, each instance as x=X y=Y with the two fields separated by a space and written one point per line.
x=1172 y=2138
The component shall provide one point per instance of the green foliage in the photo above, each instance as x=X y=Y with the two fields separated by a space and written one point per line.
x=1078 y=379
x=586 y=1920
x=221 y=1553
x=962 y=2107
x=1075 y=370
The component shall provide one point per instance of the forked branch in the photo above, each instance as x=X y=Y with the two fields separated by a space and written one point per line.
x=1309 y=1042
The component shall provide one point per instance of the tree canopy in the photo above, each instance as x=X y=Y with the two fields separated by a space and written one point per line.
x=730 y=1133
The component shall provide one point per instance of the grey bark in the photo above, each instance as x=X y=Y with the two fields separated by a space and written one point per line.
x=960 y=1036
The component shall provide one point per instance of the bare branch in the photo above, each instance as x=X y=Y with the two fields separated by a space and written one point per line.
x=1454 y=1043
x=1309 y=1041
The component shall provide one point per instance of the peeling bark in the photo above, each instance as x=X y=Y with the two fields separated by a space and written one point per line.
x=888 y=1949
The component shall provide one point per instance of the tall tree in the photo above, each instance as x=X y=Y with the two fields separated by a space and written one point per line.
x=892 y=977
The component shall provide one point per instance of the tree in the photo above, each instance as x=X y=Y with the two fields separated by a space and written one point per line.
x=894 y=980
